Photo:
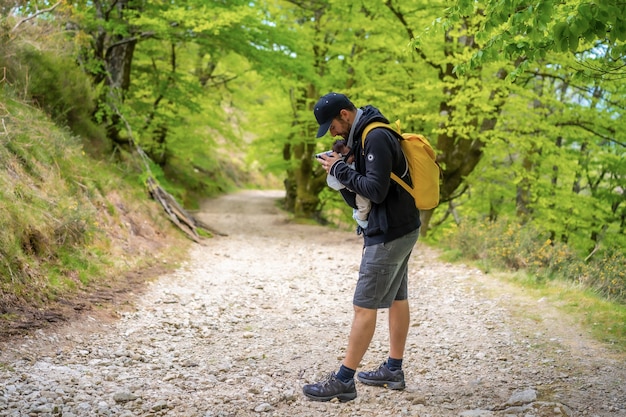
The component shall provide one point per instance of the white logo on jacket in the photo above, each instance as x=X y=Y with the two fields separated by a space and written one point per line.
x=370 y=157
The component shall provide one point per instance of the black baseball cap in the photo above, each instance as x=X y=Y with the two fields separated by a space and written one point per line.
x=327 y=108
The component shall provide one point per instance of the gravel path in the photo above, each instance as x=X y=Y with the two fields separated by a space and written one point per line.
x=254 y=315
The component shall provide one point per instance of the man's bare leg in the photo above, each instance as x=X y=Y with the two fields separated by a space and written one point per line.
x=399 y=320
x=361 y=333
x=390 y=374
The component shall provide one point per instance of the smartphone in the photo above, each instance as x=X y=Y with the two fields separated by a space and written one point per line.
x=327 y=153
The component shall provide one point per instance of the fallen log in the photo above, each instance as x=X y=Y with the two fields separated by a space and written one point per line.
x=181 y=218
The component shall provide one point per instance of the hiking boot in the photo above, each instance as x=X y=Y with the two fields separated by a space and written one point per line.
x=383 y=377
x=330 y=388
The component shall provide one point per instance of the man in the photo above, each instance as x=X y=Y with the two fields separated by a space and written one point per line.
x=391 y=233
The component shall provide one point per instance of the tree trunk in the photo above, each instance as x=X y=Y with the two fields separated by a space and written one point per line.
x=305 y=179
x=115 y=55
x=425 y=216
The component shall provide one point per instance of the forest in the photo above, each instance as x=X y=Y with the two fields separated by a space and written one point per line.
x=523 y=101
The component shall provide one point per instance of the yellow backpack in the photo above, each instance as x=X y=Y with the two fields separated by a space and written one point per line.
x=423 y=168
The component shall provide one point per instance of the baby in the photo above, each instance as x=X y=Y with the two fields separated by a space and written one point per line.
x=363 y=204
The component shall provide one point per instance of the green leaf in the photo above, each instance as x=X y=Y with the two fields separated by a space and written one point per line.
x=589 y=35
x=573 y=42
x=584 y=10
x=560 y=31
x=620 y=29
x=599 y=28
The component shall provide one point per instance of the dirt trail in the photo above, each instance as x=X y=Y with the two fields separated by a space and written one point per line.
x=255 y=314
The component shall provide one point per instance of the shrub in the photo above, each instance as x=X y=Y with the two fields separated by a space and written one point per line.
x=509 y=245
x=48 y=77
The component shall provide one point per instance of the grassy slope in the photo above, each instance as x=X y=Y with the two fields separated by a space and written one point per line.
x=74 y=232
x=603 y=319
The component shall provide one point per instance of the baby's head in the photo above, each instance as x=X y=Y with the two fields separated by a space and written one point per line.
x=341 y=147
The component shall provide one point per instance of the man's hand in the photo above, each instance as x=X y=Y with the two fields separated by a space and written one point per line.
x=328 y=161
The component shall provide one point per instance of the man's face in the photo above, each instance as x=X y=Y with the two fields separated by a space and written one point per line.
x=340 y=127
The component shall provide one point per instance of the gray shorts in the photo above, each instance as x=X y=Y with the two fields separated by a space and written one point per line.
x=383 y=275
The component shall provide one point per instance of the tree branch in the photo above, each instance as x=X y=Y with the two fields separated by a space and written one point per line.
x=590 y=130
x=400 y=16
x=574 y=86
x=26 y=19
x=132 y=39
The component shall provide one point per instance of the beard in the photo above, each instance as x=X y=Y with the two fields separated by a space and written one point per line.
x=345 y=129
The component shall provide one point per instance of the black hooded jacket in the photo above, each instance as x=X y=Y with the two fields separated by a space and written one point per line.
x=393 y=212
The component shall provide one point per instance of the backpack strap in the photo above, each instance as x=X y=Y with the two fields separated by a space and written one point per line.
x=374 y=125
x=396 y=130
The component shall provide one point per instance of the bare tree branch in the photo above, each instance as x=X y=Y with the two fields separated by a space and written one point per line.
x=26 y=19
